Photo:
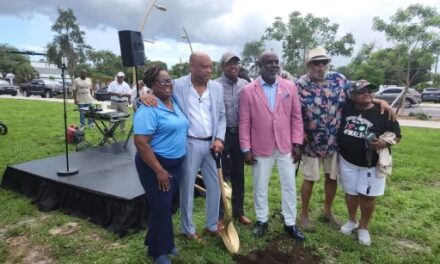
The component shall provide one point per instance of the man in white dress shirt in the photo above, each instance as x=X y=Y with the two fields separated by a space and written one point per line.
x=120 y=93
x=201 y=100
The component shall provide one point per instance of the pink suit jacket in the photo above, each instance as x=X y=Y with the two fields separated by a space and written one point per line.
x=260 y=129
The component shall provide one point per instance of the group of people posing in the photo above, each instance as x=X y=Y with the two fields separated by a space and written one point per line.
x=293 y=123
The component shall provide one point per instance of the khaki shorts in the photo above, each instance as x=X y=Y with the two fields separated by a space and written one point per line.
x=310 y=167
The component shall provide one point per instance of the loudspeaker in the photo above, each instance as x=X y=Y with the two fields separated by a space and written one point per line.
x=132 y=48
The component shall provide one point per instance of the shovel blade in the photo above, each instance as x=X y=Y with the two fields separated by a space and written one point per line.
x=230 y=238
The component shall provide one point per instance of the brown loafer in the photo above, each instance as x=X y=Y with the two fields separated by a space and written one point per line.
x=220 y=225
x=244 y=220
x=210 y=232
x=194 y=237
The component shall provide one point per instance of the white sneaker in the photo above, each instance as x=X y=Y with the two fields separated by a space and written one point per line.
x=348 y=227
x=364 y=237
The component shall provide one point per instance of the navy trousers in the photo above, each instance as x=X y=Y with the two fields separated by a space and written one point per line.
x=160 y=236
x=236 y=173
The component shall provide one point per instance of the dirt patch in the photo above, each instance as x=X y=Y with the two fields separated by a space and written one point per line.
x=65 y=229
x=95 y=237
x=435 y=184
x=19 y=248
x=281 y=250
x=21 y=251
x=411 y=245
x=3 y=232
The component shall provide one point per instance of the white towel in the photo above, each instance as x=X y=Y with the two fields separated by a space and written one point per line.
x=385 y=162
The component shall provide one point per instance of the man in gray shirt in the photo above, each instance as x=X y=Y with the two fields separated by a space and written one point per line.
x=232 y=86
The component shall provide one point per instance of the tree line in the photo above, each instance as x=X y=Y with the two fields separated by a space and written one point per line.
x=414 y=33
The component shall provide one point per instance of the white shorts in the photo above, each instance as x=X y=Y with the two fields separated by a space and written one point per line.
x=310 y=167
x=355 y=179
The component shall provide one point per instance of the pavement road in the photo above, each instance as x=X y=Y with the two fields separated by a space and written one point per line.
x=431 y=109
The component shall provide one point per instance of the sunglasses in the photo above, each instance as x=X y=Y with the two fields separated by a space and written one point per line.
x=163 y=82
x=319 y=62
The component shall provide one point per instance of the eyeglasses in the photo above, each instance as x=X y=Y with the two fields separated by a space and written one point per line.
x=163 y=82
x=319 y=62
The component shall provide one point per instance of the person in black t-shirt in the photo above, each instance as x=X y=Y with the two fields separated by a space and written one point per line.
x=359 y=139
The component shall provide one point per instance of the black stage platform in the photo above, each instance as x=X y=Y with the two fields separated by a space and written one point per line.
x=106 y=191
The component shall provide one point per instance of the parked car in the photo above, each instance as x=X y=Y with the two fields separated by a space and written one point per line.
x=45 y=88
x=389 y=94
x=102 y=94
x=7 y=88
x=431 y=95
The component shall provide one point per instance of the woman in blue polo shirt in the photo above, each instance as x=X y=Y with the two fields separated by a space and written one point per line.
x=160 y=138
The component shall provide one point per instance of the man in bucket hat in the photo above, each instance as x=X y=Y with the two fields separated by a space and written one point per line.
x=323 y=95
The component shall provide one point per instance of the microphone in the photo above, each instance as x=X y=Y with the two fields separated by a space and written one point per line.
x=200 y=99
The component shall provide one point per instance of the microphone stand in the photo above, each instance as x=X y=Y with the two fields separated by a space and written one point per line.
x=68 y=171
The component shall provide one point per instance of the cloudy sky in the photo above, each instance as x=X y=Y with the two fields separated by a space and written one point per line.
x=214 y=26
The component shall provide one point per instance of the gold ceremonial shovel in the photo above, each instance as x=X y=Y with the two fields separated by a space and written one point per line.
x=229 y=234
x=228 y=189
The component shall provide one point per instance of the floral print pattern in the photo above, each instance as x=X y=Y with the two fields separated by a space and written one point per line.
x=322 y=105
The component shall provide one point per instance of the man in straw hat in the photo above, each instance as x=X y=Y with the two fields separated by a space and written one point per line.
x=323 y=95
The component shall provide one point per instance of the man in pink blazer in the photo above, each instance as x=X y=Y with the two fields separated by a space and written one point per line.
x=271 y=129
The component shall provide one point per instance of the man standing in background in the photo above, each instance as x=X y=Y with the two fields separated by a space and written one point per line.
x=82 y=95
x=120 y=93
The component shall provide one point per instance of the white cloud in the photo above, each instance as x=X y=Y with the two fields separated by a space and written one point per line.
x=214 y=26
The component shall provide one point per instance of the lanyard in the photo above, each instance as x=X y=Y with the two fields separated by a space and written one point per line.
x=369 y=156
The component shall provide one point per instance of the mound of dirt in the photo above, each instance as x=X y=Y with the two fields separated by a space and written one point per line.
x=281 y=250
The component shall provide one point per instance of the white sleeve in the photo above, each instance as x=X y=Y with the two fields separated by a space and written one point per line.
x=111 y=88
x=127 y=88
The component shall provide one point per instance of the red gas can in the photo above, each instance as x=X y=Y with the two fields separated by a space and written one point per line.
x=71 y=133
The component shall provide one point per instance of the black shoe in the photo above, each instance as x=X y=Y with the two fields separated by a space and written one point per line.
x=295 y=233
x=260 y=229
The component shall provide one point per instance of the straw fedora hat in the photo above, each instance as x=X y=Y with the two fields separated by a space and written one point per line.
x=317 y=53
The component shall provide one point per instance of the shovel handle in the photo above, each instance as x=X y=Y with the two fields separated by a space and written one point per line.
x=217 y=157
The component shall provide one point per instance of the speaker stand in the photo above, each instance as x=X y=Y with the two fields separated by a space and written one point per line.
x=135 y=101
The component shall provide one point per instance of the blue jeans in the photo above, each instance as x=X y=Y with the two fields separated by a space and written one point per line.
x=81 y=114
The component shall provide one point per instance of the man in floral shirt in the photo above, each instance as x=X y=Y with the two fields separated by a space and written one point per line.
x=323 y=95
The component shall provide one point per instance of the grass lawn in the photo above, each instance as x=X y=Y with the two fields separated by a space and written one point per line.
x=404 y=229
